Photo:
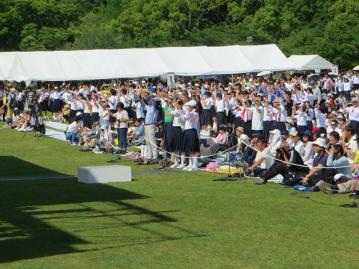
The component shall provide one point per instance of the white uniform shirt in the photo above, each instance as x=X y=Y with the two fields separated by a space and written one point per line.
x=353 y=113
x=257 y=118
x=301 y=118
x=220 y=105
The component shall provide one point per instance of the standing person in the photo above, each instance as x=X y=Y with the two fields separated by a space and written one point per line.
x=353 y=112
x=280 y=115
x=302 y=117
x=150 y=130
x=105 y=122
x=112 y=102
x=177 y=138
x=190 y=144
x=139 y=108
x=317 y=95
x=246 y=118
x=257 y=117
x=347 y=88
x=220 y=110
x=73 y=106
x=267 y=118
x=206 y=116
x=95 y=109
x=57 y=102
x=122 y=126
x=168 y=119
x=321 y=118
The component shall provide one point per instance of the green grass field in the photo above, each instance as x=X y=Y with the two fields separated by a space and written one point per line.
x=166 y=220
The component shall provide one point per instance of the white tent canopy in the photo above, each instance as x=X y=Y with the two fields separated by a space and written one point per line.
x=308 y=62
x=135 y=63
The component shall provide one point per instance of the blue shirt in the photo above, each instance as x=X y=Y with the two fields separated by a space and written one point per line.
x=151 y=115
x=140 y=132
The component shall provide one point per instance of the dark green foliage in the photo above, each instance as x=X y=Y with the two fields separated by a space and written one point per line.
x=326 y=27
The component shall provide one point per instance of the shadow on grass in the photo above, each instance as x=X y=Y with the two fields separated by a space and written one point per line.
x=29 y=209
x=11 y=166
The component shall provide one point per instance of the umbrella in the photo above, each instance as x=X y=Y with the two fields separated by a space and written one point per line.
x=356 y=68
x=264 y=73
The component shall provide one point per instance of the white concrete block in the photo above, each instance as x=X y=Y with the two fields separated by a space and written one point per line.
x=104 y=174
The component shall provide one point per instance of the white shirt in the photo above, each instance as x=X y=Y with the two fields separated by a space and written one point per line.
x=321 y=119
x=112 y=101
x=178 y=115
x=299 y=147
x=353 y=113
x=73 y=105
x=122 y=116
x=191 y=120
x=347 y=86
x=317 y=95
x=257 y=118
x=95 y=106
x=80 y=105
x=139 y=110
x=86 y=108
x=301 y=118
x=66 y=97
x=220 y=105
x=125 y=100
x=268 y=162
x=73 y=127
x=268 y=114
x=337 y=129
x=281 y=114
x=208 y=103
x=105 y=115
x=352 y=144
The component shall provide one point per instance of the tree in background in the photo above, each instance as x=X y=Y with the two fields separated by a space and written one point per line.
x=326 y=27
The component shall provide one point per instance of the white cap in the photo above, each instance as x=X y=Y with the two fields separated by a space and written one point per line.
x=293 y=132
x=320 y=142
x=191 y=103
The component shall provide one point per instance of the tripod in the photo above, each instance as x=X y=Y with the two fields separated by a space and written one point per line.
x=229 y=176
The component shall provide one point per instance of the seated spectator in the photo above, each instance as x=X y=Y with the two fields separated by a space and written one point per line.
x=290 y=167
x=295 y=142
x=137 y=137
x=91 y=137
x=333 y=138
x=263 y=160
x=72 y=132
x=222 y=138
x=351 y=137
x=308 y=153
x=336 y=176
x=275 y=140
x=333 y=127
x=316 y=173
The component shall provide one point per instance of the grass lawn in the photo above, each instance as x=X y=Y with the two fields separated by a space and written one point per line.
x=167 y=220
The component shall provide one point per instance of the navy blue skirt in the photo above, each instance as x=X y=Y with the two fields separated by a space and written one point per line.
x=190 y=141
x=177 y=138
x=56 y=105
x=206 y=117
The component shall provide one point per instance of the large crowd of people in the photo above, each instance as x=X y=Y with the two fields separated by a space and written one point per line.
x=301 y=127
